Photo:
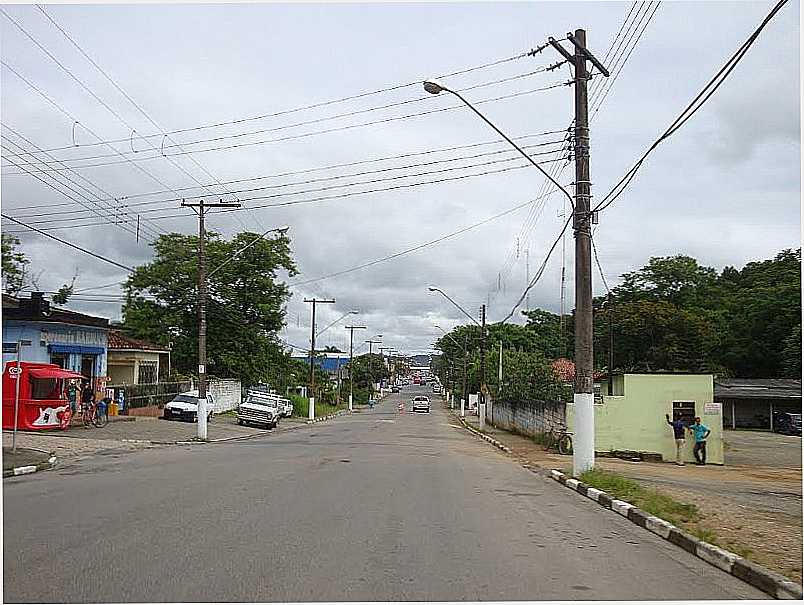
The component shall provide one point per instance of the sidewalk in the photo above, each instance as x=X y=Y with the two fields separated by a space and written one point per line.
x=22 y=457
x=754 y=509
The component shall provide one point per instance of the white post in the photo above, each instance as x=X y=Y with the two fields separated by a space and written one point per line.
x=771 y=415
x=482 y=415
x=463 y=407
x=311 y=410
x=452 y=401
x=16 y=400
x=350 y=402
x=583 y=447
x=499 y=375
x=201 y=418
x=733 y=417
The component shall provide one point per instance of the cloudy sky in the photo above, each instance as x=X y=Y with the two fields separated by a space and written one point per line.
x=238 y=80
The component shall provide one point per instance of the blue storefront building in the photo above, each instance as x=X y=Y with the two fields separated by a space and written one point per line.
x=71 y=340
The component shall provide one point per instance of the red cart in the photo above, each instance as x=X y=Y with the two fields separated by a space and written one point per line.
x=43 y=400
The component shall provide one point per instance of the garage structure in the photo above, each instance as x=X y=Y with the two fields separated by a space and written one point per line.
x=751 y=402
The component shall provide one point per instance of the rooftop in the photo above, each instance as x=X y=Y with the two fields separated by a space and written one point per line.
x=757 y=388
x=121 y=342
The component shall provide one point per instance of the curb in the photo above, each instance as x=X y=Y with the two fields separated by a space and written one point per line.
x=491 y=440
x=757 y=576
x=330 y=417
x=27 y=470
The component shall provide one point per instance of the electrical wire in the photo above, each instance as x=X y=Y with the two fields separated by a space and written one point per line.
x=309 y=134
x=124 y=198
x=317 y=180
x=70 y=244
x=691 y=109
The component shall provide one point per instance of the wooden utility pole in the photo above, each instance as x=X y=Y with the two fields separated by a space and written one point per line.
x=199 y=208
x=584 y=398
x=351 y=364
x=311 y=394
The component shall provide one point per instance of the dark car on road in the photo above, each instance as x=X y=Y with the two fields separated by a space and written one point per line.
x=786 y=423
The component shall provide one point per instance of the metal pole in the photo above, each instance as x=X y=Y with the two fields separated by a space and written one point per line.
x=351 y=367
x=584 y=448
x=16 y=400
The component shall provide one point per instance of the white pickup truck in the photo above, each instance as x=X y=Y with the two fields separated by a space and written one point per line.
x=260 y=408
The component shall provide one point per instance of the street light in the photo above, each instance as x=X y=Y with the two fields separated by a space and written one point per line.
x=459 y=307
x=353 y=312
x=280 y=230
x=435 y=87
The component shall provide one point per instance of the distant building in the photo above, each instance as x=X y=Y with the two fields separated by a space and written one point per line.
x=751 y=402
x=330 y=363
x=73 y=341
x=133 y=361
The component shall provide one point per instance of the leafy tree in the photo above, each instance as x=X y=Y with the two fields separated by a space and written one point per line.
x=14 y=264
x=791 y=353
x=365 y=367
x=679 y=280
x=245 y=307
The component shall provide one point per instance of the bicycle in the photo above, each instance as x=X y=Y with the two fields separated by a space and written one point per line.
x=560 y=439
x=92 y=415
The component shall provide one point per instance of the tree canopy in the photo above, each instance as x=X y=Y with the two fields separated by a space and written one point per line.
x=245 y=310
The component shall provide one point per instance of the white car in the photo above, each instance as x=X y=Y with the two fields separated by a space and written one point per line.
x=421 y=403
x=260 y=408
x=185 y=407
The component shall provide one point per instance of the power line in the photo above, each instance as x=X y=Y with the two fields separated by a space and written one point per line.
x=318 y=180
x=336 y=196
x=414 y=248
x=691 y=109
x=66 y=243
x=313 y=105
x=317 y=169
x=307 y=134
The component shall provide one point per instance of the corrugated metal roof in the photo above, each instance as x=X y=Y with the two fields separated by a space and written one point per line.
x=757 y=388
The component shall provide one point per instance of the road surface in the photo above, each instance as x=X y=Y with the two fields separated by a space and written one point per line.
x=375 y=506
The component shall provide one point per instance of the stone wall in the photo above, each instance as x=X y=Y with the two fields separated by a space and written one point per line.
x=530 y=418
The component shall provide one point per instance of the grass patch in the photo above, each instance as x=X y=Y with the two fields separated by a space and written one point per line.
x=649 y=500
x=228 y=413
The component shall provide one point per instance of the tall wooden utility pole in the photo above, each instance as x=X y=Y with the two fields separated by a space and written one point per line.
x=584 y=398
x=199 y=208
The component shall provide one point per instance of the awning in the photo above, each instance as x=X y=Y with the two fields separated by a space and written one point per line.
x=53 y=373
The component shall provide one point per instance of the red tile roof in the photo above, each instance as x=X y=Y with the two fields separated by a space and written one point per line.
x=118 y=340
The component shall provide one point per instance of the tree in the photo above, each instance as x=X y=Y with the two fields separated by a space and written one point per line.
x=14 y=264
x=679 y=280
x=791 y=353
x=245 y=307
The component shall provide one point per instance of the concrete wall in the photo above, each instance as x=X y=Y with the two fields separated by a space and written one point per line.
x=227 y=394
x=530 y=418
x=636 y=420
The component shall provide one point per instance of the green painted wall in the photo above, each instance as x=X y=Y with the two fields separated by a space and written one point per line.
x=635 y=420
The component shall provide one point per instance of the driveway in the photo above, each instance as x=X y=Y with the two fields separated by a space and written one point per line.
x=762 y=448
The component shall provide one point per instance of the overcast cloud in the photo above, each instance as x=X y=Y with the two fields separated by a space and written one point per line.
x=725 y=189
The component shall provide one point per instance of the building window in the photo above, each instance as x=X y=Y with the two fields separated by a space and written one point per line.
x=60 y=359
x=147 y=373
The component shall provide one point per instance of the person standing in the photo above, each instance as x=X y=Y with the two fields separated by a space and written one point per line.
x=87 y=396
x=72 y=395
x=701 y=432
x=678 y=435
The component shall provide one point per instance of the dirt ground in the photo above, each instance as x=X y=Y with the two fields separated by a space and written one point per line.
x=754 y=510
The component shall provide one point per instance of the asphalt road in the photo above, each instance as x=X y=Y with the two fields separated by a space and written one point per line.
x=375 y=506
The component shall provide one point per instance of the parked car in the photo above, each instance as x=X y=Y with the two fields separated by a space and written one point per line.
x=786 y=423
x=395 y=389
x=421 y=403
x=185 y=407
x=260 y=408
x=436 y=388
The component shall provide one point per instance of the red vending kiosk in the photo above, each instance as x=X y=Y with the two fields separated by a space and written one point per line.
x=43 y=400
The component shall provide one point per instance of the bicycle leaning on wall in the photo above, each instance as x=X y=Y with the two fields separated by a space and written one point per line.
x=559 y=439
x=95 y=414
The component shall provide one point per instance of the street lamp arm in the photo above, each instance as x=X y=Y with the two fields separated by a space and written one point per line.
x=334 y=322
x=457 y=306
x=282 y=230
x=513 y=144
